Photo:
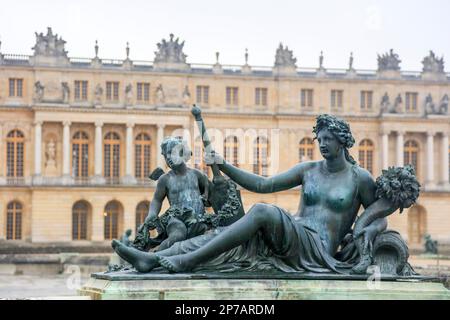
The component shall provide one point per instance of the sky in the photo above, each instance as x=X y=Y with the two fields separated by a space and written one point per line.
x=364 y=27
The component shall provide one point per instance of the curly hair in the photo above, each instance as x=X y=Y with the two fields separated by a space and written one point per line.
x=171 y=142
x=340 y=129
x=399 y=185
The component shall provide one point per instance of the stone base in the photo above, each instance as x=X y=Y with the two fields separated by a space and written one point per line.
x=154 y=286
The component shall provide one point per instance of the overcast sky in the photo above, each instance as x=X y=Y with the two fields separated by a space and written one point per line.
x=366 y=27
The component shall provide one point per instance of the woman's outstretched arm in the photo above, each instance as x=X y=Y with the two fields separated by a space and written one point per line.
x=279 y=182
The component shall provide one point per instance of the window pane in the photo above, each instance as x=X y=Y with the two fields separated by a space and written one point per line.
x=19 y=87
x=12 y=87
x=139 y=91
x=84 y=90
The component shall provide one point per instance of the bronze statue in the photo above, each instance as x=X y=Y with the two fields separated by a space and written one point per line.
x=397 y=188
x=186 y=189
x=268 y=237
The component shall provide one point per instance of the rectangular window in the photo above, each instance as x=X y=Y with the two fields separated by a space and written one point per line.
x=232 y=96
x=112 y=91
x=12 y=87
x=15 y=87
x=306 y=98
x=366 y=100
x=336 y=99
x=411 y=102
x=81 y=90
x=202 y=94
x=143 y=91
x=261 y=96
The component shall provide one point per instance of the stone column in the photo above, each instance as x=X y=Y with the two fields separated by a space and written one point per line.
x=385 y=149
x=445 y=160
x=2 y=165
x=128 y=155
x=159 y=139
x=98 y=153
x=66 y=152
x=400 y=147
x=2 y=218
x=37 y=148
x=430 y=159
x=97 y=221
x=187 y=133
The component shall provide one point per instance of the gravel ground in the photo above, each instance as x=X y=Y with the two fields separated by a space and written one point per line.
x=33 y=286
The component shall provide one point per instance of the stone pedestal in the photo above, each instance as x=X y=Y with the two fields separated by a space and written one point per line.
x=389 y=74
x=321 y=73
x=284 y=71
x=154 y=286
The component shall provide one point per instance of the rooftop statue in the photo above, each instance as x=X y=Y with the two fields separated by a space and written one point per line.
x=319 y=238
x=284 y=57
x=38 y=91
x=443 y=106
x=433 y=64
x=430 y=107
x=350 y=61
x=434 y=108
x=129 y=94
x=159 y=95
x=321 y=60
x=98 y=93
x=387 y=107
x=397 y=104
x=49 y=45
x=170 y=52
x=65 y=91
x=186 y=96
x=389 y=61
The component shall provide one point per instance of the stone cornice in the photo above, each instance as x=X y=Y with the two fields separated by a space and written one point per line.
x=112 y=110
x=312 y=77
x=285 y=116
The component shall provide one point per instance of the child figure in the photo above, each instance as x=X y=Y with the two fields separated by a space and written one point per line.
x=186 y=189
x=396 y=188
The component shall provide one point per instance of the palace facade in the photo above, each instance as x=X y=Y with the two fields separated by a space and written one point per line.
x=79 y=137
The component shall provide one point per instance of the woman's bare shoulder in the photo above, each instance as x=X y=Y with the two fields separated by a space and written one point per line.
x=364 y=176
x=307 y=165
x=366 y=185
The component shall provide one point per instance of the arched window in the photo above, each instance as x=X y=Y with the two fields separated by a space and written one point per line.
x=260 y=155
x=199 y=162
x=141 y=212
x=417 y=224
x=111 y=155
x=305 y=149
x=113 y=215
x=80 y=154
x=15 y=141
x=231 y=150
x=80 y=217
x=14 y=221
x=411 y=154
x=142 y=158
x=365 y=152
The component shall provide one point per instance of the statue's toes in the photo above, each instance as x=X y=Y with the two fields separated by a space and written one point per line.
x=167 y=264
